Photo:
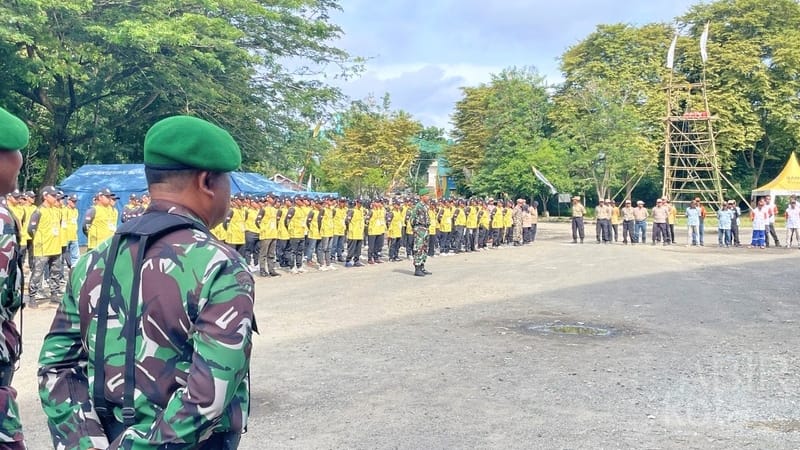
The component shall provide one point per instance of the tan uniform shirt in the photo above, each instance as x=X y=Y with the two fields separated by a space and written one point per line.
x=640 y=213
x=627 y=213
x=660 y=214
x=578 y=210
x=603 y=212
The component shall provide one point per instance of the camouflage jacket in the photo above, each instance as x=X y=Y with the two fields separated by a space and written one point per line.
x=419 y=215
x=193 y=342
x=10 y=303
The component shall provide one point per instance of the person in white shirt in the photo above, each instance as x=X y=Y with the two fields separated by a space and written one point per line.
x=769 y=230
x=760 y=217
x=792 y=215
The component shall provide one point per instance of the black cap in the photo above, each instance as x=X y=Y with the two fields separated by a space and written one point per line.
x=107 y=193
x=49 y=190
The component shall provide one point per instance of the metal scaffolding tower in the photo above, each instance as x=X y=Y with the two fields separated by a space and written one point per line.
x=691 y=165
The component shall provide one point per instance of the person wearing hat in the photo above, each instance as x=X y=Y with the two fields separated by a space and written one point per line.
x=534 y=210
x=660 y=215
x=45 y=229
x=14 y=136
x=100 y=221
x=737 y=212
x=28 y=201
x=578 y=211
x=170 y=370
x=627 y=222
x=640 y=215
x=339 y=228
x=131 y=209
x=234 y=224
x=267 y=222
x=603 y=215
x=420 y=220
x=355 y=234
x=471 y=227
x=69 y=232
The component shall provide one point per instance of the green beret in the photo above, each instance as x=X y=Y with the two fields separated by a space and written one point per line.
x=424 y=191
x=13 y=132
x=185 y=142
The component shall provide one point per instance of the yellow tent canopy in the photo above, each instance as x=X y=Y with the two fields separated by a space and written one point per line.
x=786 y=183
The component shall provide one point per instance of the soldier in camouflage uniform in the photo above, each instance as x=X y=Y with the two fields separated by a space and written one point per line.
x=420 y=220
x=150 y=348
x=13 y=136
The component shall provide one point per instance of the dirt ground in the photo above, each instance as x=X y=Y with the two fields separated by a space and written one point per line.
x=701 y=351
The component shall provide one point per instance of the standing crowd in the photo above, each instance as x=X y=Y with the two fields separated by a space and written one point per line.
x=298 y=232
x=634 y=222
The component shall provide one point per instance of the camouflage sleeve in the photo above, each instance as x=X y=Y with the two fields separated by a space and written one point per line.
x=10 y=426
x=220 y=365
x=64 y=385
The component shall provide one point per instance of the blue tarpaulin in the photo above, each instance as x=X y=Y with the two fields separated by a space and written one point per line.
x=127 y=179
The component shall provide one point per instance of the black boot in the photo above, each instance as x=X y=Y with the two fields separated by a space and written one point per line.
x=418 y=271
x=422 y=267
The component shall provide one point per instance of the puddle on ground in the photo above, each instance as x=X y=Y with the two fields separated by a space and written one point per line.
x=782 y=425
x=567 y=329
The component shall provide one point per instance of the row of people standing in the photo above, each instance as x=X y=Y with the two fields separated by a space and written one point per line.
x=292 y=232
x=49 y=235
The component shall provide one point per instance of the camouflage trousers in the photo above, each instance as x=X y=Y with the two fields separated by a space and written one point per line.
x=52 y=265
x=420 y=245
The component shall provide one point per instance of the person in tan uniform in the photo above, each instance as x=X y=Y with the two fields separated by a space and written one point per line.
x=660 y=216
x=578 y=210
x=603 y=215
x=627 y=222
x=640 y=215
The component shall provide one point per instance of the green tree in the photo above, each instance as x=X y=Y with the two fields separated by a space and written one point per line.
x=90 y=76
x=374 y=151
x=754 y=58
x=501 y=131
x=610 y=108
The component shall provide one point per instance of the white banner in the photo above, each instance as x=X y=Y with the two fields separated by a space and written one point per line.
x=544 y=180
x=704 y=43
x=671 y=52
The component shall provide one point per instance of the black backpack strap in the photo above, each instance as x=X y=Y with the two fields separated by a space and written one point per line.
x=141 y=231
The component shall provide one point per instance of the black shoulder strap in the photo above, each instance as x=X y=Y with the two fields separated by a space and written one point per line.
x=142 y=231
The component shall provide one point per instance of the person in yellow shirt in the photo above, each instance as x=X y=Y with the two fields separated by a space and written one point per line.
x=339 y=240
x=235 y=226
x=100 y=221
x=445 y=220
x=45 y=228
x=69 y=232
x=326 y=226
x=616 y=219
x=283 y=253
x=267 y=221
x=295 y=222
x=376 y=228
x=433 y=227
x=396 y=221
x=355 y=234
x=251 y=231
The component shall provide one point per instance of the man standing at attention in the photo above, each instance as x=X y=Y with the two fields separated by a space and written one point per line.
x=100 y=221
x=660 y=215
x=640 y=215
x=171 y=369
x=13 y=137
x=578 y=210
x=420 y=220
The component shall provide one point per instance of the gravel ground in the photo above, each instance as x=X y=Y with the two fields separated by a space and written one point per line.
x=701 y=351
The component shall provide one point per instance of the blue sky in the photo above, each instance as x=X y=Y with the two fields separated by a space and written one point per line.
x=422 y=52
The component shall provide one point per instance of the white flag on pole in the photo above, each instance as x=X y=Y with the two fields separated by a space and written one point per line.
x=671 y=53
x=704 y=43
x=544 y=180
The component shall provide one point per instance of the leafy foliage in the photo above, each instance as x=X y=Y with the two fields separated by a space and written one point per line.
x=91 y=76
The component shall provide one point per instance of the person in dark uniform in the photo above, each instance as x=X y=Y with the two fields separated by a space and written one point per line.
x=420 y=221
